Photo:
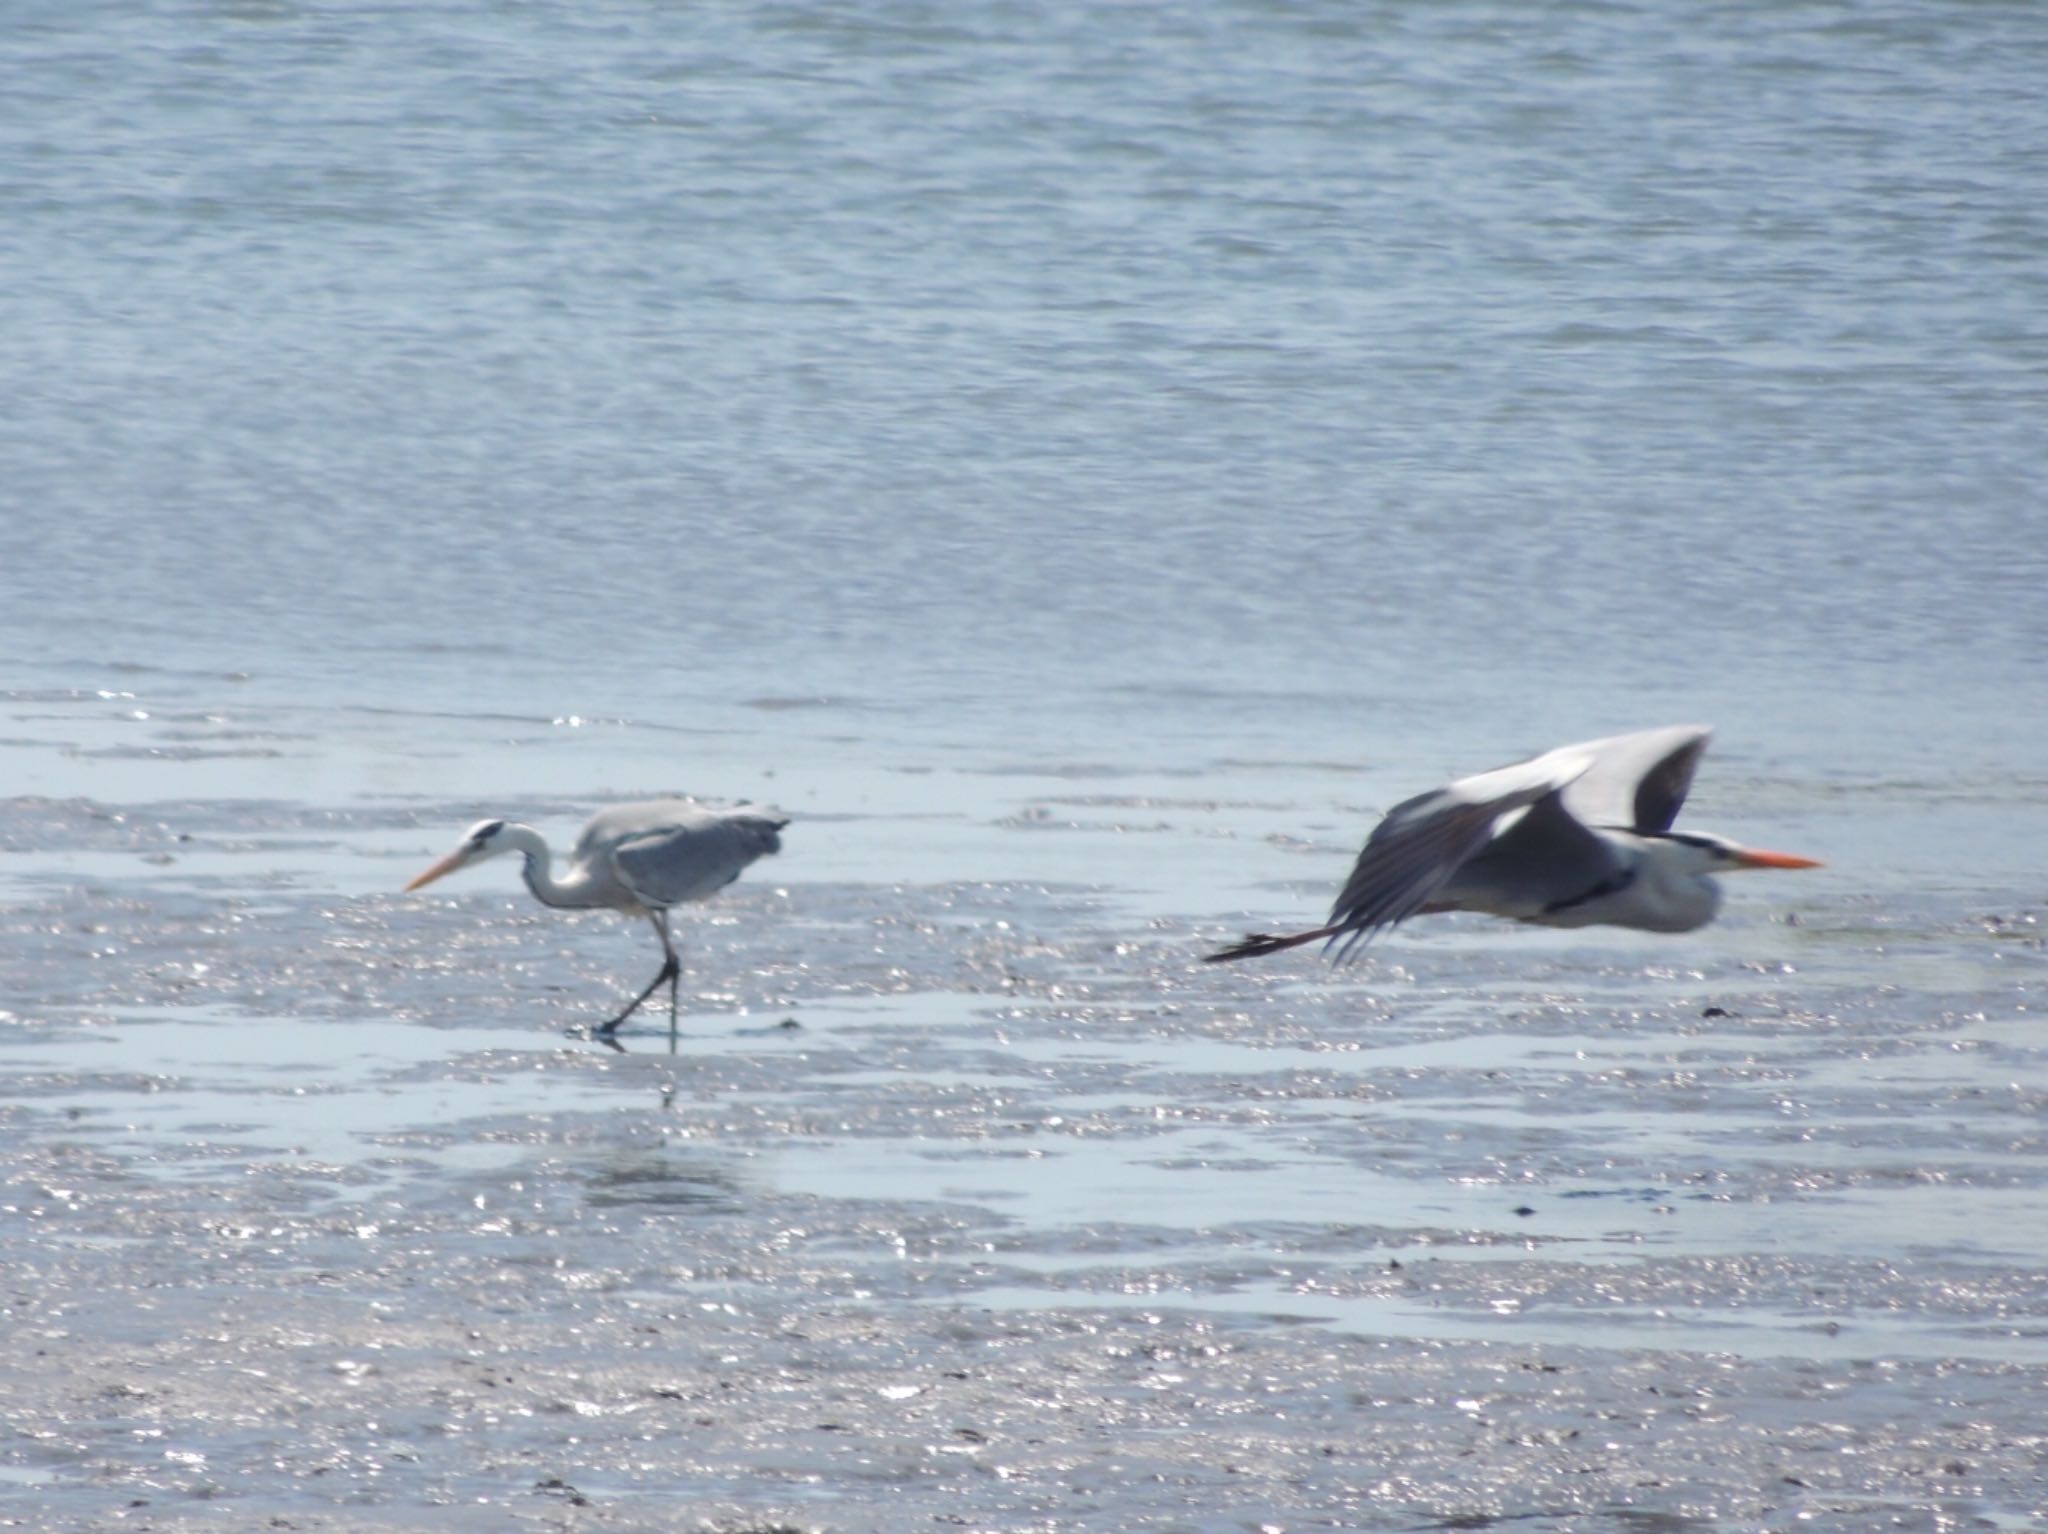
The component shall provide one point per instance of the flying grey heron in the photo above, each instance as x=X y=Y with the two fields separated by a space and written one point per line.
x=636 y=858
x=1577 y=837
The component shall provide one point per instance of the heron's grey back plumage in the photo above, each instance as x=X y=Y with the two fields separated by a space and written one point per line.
x=667 y=851
x=1546 y=861
x=1422 y=842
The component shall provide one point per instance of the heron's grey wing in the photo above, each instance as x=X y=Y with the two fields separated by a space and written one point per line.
x=622 y=822
x=1638 y=781
x=1544 y=861
x=696 y=856
x=1422 y=843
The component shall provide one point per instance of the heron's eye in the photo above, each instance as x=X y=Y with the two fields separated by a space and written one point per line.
x=485 y=832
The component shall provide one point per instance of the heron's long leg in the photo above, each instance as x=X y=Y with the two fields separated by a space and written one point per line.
x=675 y=974
x=671 y=971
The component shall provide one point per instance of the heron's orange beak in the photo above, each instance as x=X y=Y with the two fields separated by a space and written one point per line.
x=447 y=865
x=1749 y=858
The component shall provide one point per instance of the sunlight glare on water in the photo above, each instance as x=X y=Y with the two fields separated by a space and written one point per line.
x=1084 y=464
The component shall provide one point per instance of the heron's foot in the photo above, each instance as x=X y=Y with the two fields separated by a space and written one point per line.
x=603 y=1033
x=608 y=1030
x=671 y=972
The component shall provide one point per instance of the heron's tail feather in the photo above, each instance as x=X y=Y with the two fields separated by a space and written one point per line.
x=1257 y=943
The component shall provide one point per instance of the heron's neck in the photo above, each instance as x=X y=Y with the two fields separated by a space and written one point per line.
x=1686 y=893
x=536 y=865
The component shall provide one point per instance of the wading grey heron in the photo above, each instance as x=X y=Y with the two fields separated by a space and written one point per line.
x=1577 y=837
x=636 y=858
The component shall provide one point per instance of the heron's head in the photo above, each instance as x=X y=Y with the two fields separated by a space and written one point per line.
x=1702 y=852
x=483 y=840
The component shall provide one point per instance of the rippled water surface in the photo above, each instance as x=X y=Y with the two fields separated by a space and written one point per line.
x=1083 y=464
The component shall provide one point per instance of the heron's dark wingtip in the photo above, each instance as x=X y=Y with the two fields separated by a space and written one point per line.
x=1252 y=945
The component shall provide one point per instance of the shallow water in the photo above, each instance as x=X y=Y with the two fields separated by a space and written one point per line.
x=956 y=1189
x=1084 y=465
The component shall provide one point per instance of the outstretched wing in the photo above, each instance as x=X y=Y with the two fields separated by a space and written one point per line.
x=1638 y=781
x=1543 y=861
x=693 y=852
x=1422 y=843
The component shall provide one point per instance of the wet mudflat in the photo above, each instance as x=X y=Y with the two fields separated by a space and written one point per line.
x=1084 y=463
x=983 y=1205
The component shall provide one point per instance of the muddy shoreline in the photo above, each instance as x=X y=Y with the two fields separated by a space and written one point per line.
x=969 y=1205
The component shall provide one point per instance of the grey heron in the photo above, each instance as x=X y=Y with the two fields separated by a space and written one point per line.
x=1577 y=837
x=636 y=858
